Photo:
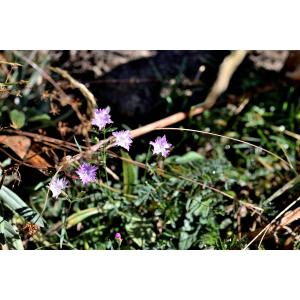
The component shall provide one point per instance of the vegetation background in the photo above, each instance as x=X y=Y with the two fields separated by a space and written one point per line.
x=213 y=193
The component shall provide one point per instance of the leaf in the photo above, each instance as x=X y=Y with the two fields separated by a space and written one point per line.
x=189 y=157
x=186 y=240
x=17 y=118
x=130 y=172
x=140 y=231
x=21 y=146
x=2 y=237
x=17 y=205
x=9 y=236
x=39 y=118
x=80 y=216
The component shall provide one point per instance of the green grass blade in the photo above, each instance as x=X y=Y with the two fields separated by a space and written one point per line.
x=17 y=205
x=9 y=236
x=80 y=216
x=130 y=172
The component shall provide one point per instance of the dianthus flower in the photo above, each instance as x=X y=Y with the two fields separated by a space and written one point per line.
x=87 y=173
x=161 y=146
x=123 y=139
x=57 y=185
x=118 y=239
x=118 y=236
x=101 y=118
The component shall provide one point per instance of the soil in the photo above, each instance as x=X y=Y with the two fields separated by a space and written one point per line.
x=133 y=83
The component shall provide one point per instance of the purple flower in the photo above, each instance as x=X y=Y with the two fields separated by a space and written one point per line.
x=101 y=118
x=57 y=185
x=87 y=173
x=118 y=239
x=161 y=146
x=123 y=139
x=118 y=236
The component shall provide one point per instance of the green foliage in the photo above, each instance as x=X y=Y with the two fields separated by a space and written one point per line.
x=9 y=235
x=209 y=193
x=17 y=118
x=18 y=206
x=129 y=174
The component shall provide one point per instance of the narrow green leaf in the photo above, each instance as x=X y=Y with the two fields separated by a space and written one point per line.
x=80 y=216
x=130 y=172
x=39 y=118
x=10 y=236
x=17 y=205
x=189 y=157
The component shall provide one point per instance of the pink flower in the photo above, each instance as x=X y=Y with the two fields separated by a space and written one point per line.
x=118 y=239
x=57 y=185
x=123 y=139
x=118 y=236
x=161 y=146
x=101 y=118
x=87 y=173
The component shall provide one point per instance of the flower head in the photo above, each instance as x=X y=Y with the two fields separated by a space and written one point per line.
x=123 y=139
x=101 y=118
x=118 y=236
x=87 y=173
x=118 y=239
x=57 y=185
x=161 y=146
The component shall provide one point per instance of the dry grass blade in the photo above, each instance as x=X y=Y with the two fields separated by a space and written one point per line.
x=227 y=69
x=266 y=229
x=65 y=99
x=229 y=65
x=10 y=63
x=45 y=139
x=91 y=102
x=203 y=185
x=167 y=175
x=290 y=217
x=283 y=189
x=229 y=138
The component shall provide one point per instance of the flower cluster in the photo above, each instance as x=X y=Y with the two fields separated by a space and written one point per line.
x=122 y=138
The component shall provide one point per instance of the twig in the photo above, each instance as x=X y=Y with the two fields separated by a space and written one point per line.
x=283 y=189
x=227 y=68
x=229 y=138
x=65 y=98
x=265 y=230
x=91 y=102
x=167 y=174
x=41 y=138
x=10 y=63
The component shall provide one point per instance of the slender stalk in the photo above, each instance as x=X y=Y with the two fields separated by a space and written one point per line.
x=229 y=138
